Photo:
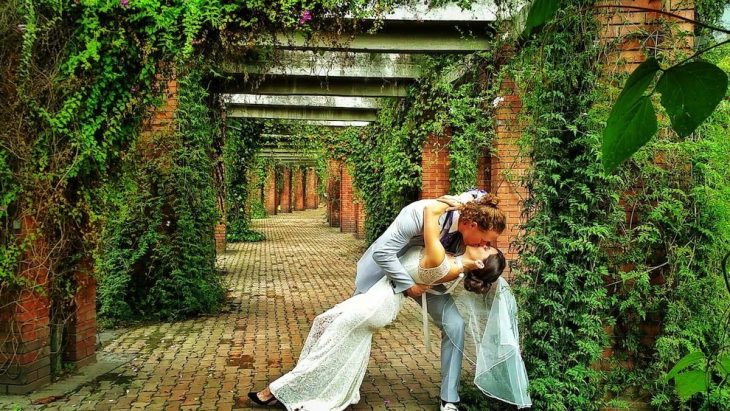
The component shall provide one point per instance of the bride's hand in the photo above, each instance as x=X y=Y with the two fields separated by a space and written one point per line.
x=452 y=202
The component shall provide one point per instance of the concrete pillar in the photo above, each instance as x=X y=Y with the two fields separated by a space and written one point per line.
x=285 y=205
x=435 y=164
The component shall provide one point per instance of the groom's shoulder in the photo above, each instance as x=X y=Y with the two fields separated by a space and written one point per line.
x=418 y=205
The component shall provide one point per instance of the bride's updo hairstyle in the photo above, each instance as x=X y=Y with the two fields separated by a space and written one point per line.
x=485 y=213
x=480 y=280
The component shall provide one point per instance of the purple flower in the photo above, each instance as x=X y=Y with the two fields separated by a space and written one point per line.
x=135 y=89
x=305 y=17
x=124 y=3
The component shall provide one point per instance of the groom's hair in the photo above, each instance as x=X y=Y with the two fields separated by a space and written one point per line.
x=485 y=213
x=480 y=280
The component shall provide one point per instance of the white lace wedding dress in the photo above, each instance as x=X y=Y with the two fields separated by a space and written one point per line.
x=335 y=356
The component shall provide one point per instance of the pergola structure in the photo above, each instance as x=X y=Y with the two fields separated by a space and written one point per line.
x=342 y=80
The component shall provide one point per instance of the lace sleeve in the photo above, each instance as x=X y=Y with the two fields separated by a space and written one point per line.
x=431 y=275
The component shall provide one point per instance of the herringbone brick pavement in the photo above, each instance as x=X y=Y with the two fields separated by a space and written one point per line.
x=276 y=287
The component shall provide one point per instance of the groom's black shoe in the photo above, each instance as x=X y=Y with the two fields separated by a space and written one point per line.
x=254 y=396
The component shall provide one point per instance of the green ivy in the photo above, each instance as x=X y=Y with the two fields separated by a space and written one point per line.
x=158 y=258
x=571 y=209
x=241 y=146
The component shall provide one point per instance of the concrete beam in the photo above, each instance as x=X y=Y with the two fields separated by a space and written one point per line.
x=414 y=38
x=298 y=86
x=302 y=113
x=328 y=64
x=337 y=123
x=366 y=103
x=480 y=11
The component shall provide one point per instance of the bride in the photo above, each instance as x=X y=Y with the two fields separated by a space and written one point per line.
x=333 y=361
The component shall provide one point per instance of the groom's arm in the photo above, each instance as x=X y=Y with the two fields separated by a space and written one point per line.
x=407 y=225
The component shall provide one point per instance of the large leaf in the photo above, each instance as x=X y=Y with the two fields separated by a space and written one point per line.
x=627 y=131
x=690 y=383
x=620 y=140
x=695 y=357
x=540 y=12
x=636 y=85
x=690 y=93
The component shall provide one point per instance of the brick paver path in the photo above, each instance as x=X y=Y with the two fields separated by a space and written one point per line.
x=276 y=288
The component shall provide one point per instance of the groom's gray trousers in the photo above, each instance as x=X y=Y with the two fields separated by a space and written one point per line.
x=381 y=259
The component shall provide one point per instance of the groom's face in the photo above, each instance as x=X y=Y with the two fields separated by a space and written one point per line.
x=474 y=237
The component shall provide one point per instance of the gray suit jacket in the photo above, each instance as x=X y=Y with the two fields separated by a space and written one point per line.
x=382 y=257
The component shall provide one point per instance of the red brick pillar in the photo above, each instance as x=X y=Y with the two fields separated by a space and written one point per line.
x=285 y=195
x=484 y=176
x=298 y=188
x=81 y=330
x=334 y=173
x=25 y=322
x=220 y=238
x=270 y=191
x=508 y=166
x=310 y=191
x=436 y=165
x=348 y=222
x=359 y=220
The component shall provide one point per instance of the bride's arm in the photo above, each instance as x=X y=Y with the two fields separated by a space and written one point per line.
x=434 y=251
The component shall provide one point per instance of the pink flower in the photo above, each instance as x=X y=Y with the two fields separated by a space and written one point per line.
x=305 y=17
x=124 y=3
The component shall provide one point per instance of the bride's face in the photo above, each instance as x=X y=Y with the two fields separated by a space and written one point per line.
x=479 y=253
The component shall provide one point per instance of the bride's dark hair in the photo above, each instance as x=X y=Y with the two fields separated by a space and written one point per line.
x=480 y=280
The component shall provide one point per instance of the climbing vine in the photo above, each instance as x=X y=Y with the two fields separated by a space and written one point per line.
x=242 y=143
x=158 y=255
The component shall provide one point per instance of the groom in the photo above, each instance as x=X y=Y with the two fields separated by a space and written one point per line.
x=382 y=259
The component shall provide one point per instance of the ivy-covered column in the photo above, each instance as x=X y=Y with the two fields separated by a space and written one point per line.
x=270 y=194
x=334 y=173
x=508 y=166
x=436 y=165
x=25 y=320
x=286 y=190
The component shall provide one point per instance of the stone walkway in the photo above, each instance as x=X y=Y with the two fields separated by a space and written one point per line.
x=276 y=288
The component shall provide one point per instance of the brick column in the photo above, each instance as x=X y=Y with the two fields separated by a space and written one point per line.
x=484 y=173
x=359 y=220
x=298 y=188
x=310 y=190
x=507 y=166
x=436 y=165
x=220 y=238
x=348 y=223
x=285 y=195
x=81 y=330
x=25 y=322
x=334 y=173
x=270 y=191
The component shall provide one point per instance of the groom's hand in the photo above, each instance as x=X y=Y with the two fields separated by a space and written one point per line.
x=417 y=290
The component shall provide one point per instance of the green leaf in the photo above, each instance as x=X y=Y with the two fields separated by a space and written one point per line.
x=627 y=131
x=540 y=12
x=690 y=93
x=690 y=359
x=690 y=383
x=620 y=138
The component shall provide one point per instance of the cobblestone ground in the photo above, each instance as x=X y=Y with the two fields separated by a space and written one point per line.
x=276 y=287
